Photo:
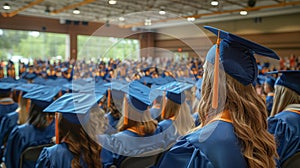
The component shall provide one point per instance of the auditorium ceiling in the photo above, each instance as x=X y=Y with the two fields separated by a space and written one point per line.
x=151 y=13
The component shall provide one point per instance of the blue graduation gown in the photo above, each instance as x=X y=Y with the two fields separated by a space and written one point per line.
x=24 y=136
x=113 y=122
x=269 y=103
x=155 y=113
x=117 y=147
x=196 y=119
x=7 y=123
x=7 y=108
x=286 y=128
x=214 y=145
x=55 y=156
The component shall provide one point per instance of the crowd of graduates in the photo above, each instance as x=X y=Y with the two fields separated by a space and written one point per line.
x=98 y=114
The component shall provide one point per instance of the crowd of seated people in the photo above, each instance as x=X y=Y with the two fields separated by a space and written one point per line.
x=97 y=114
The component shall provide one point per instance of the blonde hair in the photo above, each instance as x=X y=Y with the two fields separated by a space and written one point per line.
x=183 y=119
x=283 y=96
x=249 y=118
x=141 y=120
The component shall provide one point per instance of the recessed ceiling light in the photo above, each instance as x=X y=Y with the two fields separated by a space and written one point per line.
x=112 y=2
x=214 y=3
x=244 y=13
x=76 y=11
x=191 y=19
x=6 y=6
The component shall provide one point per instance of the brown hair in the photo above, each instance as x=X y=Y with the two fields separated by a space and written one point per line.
x=249 y=116
x=81 y=140
x=23 y=114
x=142 y=121
x=283 y=96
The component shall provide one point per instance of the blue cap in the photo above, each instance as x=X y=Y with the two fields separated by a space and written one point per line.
x=74 y=106
x=237 y=56
x=199 y=88
x=30 y=76
x=42 y=96
x=159 y=81
x=6 y=87
x=175 y=91
x=8 y=80
x=40 y=80
x=289 y=79
x=139 y=95
x=27 y=87
x=270 y=80
x=146 y=80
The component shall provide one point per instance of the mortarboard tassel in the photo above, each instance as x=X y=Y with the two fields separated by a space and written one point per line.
x=163 y=105
x=216 y=75
x=56 y=129
x=108 y=98
x=19 y=97
x=125 y=111
x=28 y=105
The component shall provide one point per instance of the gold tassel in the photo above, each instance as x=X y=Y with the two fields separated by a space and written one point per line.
x=216 y=75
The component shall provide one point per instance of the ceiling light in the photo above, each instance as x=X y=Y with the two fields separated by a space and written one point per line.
x=162 y=11
x=121 y=18
x=76 y=11
x=112 y=2
x=47 y=10
x=147 y=22
x=244 y=13
x=214 y=3
x=191 y=19
x=6 y=6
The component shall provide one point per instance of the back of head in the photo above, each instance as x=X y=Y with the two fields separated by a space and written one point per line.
x=238 y=71
x=81 y=139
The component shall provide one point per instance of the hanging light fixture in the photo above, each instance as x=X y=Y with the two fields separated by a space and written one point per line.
x=112 y=2
x=6 y=6
x=191 y=19
x=162 y=11
x=243 y=13
x=76 y=11
x=214 y=3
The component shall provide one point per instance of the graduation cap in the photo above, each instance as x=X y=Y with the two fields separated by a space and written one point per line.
x=42 y=96
x=8 y=80
x=146 y=80
x=6 y=87
x=159 y=81
x=74 y=106
x=30 y=76
x=270 y=80
x=139 y=95
x=289 y=79
x=27 y=87
x=236 y=55
x=175 y=91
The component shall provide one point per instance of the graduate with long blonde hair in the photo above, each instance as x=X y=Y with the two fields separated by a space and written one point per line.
x=284 y=122
x=233 y=130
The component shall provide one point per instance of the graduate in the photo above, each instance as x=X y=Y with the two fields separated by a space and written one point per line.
x=38 y=130
x=285 y=116
x=137 y=129
x=233 y=131
x=17 y=117
x=175 y=110
x=269 y=90
x=7 y=104
x=195 y=107
x=80 y=120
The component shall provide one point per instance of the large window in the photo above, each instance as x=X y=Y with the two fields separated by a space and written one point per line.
x=103 y=48
x=29 y=45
